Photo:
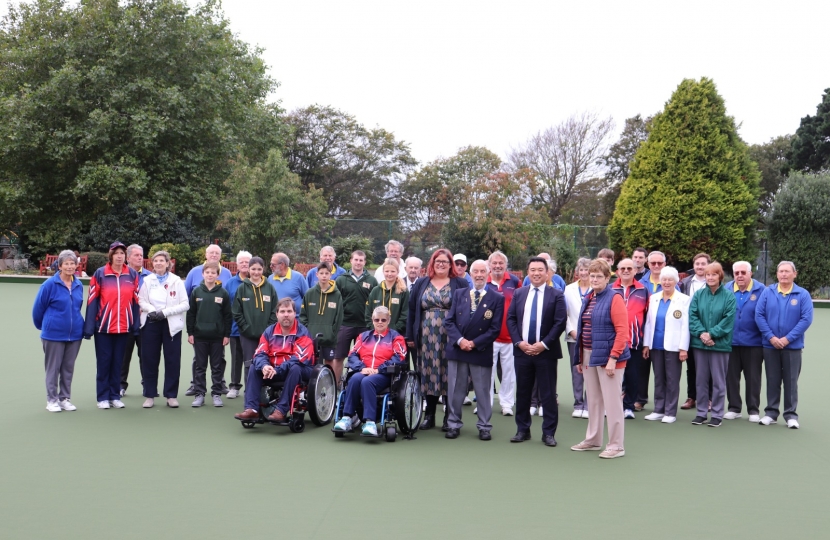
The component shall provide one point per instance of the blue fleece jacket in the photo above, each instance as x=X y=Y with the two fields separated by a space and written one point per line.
x=57 y=310
x=746 y=333
x=780 y=315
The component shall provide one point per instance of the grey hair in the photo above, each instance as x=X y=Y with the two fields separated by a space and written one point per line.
x=552 y=265
x=393 y=243
x=498 y=253
x=737 y=264
x=161 y=253
x=669 y=272
x=658 y=253
x=480 y=261
x=282 y=258
x=133 y=247
x=381 y=310
x=66 y=254
x=583 y=261
x=792 y=264
x=327 y=248
x=213 y=245
x=242 y=254
x=420 y=262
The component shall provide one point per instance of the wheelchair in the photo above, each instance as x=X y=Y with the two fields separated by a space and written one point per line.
x=317 y=397
x=399 y=406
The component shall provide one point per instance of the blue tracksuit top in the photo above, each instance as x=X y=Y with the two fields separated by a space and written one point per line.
x=746 y=333
x=780 y=315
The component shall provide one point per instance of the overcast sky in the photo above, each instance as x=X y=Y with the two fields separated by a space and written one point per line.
x=446 y=74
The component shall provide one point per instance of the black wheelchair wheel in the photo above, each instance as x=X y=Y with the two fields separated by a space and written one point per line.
x=296 y=425
x=391 y=434
x=248 y=425
x=321 y=395
x=408 y=403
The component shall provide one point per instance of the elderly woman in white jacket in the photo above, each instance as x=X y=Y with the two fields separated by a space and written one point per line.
x=666 y=342
x=164 y=304
x=574 y=293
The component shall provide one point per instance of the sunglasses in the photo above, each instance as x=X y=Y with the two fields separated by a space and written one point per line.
x=380 y=320
x=625 y=268
x=460 y=263
x=741 y=272
x=657 y=263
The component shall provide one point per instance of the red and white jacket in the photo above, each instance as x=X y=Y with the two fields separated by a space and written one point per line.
x=112 y=307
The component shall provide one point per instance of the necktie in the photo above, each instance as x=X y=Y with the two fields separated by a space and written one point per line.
x=476 y=298
x=531 y=332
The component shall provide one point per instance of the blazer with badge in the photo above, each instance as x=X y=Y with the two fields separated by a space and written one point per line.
x=554 y=318
x=481 y=326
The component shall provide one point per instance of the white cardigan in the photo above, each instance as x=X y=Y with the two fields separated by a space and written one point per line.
x=676 y=337
x=170 y=298
x=573 y=301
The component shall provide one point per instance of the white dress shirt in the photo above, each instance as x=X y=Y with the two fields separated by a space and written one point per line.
x=695 y=285
x=540 y=301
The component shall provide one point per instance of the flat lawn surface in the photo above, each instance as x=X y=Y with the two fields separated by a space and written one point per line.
x=163 y=473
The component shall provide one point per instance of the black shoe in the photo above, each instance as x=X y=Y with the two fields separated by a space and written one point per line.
x=452 y=433
x=484 y=435
x=521 y=436
x=698 y=420
x=445 y=427
x=190 y=391
x=429 y=422
x=715 y=422
x=548 y=440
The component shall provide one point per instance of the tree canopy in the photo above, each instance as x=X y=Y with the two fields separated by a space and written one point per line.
x=692 y=186
x=771 y=158
x=811 y=145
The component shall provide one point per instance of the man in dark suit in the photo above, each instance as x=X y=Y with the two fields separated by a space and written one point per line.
x=473 y=323
x=536 y=319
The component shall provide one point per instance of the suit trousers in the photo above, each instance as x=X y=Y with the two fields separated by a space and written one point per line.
x=748 y=360
x=782 y=366
x=458 y=373
x=543 y=371
x=711 y=366
x=631 y=379
x=133 y=342
x=667 y=370
x=237 y=360
x=60 y=366
x=155 y=336
x=503 y=356
x=604 y=402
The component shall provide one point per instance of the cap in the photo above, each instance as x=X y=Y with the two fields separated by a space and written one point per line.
x=460 y=257
x=116 y=245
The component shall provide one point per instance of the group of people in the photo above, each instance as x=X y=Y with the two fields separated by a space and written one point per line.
x=462 y=330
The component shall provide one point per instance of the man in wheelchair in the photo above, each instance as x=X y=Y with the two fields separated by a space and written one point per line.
x=285 y=353
x=374 y=351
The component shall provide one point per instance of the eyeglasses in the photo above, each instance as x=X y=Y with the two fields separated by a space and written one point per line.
x=656 y=263
x=380 y=320
x=625 y=268
x=740 y=272
x=460 y=263
x=442 y=263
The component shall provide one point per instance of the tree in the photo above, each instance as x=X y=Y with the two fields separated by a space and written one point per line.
x=810 y=149
x=692 y=186
x=771 y=158
x=133 y=224
x=357 y=168
x=562 y=158
x=799 y=227
x=107 y=102
x=267 y=204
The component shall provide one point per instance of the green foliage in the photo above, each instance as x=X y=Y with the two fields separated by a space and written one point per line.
x=811 y=145
x=345 y=245
x=95 y=260
x=133 y=225
x=107 y=102
x=692 y=185
x=303 y=249
x=267 y=203
x=799 y=228
x=771 y=158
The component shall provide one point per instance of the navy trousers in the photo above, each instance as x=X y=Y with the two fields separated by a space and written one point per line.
x=542 y=370
x=292 y=376
x=631 y=379
x=109 y=355
x=155 y=337
x=367 y=388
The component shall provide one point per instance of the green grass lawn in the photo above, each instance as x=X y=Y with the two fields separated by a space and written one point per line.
x=163 y=473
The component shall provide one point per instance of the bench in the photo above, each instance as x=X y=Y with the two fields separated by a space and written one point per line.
x=46 y=265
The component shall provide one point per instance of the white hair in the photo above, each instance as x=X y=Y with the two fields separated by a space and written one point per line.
x=655 y=252
x=327 y=248
x=552 y=265
x=480 y=261
x=381 y=310
x=393 y=243
x=792 y=264
x=498 y=253
x=738 y=264
x=243 y=254
x=133 y=247
x=66 y=254
x=669 y=272
x=413 y=259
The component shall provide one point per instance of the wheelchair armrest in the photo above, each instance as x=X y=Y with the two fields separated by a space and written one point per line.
x=393 y=369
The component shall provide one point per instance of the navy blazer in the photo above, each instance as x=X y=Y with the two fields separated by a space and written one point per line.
x=481 y=327
x=554 y=317
x=413 y=321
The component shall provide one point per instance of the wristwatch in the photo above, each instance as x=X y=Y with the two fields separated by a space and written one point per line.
x=614 y=358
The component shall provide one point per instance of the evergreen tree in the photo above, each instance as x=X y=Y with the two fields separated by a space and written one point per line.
x=811 y=146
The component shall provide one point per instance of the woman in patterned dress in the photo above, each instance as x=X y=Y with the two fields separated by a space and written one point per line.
x=429 y=301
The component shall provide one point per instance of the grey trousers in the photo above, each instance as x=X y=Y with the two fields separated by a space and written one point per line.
x=578 y=381
x=748 y=360
x=457 y=375
x=60 y=366
x=711 y=364
x=667 y=370
x=782 y=366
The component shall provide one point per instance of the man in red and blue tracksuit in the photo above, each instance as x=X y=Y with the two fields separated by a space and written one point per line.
x=285 y=353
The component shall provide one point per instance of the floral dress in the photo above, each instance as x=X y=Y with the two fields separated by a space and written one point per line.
x=434 y=307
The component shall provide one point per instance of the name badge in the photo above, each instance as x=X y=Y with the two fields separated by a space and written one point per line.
x=333 y=305
x=367 y=285
x=395 y=301
x=198 y=299
x=266 y=298
x=218 y=299
x=677 y=314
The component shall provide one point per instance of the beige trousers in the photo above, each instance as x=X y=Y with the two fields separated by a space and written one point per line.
x=604 y=396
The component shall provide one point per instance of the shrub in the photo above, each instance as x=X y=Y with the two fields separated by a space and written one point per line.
x=344 y=246
x=95 y=260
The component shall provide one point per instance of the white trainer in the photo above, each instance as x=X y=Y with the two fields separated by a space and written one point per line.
x=576 y=414
x=66 y=405
x=117 y=403
x=52 y=406
x=467 y=400
x=103 y=404
x=754 y=418
x=233 y=393
x=767 y=420
x=731 y=415
x=507 y=412
x=669 y=419
x=584 y=413
x=654 y=416
x=532 y=411
x=792 y=423
x=148 y=403
x=628 y=413
x=539 y=412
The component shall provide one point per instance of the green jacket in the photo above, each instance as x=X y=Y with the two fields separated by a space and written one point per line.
x=209 y=316
x=397 y=302
x=254 y=308
x=713 y=313
x=322 y=313
x=355 y=294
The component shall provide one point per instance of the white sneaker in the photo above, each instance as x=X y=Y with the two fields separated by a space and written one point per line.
x=66 y=405
x=52 y=406
x=792 y=423
x=103 y=404
x=767 y=420
x=669 y=419
x=424 y=405
x=654 y=416
x=576 y=414
x=233 y=393
x=532 y=411
x=584 y=413
x=507 y=412
x=117 y=403
x=440 y=399
x=628 y=413
x=730 y=415
x=467 y=400
x=475 y=411
x=123 y=392
x=754 y=418
x=539 y=412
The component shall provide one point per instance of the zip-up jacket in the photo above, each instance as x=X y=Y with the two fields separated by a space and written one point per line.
x=788 y=316
x=254 y=308
x=376 y=351
x=636 y=304
x=312 y=280
x=609 y=330
x=112 y=307
x=322 y=313
x=281 y=351
x=355 y=293
x=209 y=316
x=231 y=286
x=508 y=286
x=171 y=298
x=746 y=332
x=397 y=303
x=713 y=313
x=57 y=310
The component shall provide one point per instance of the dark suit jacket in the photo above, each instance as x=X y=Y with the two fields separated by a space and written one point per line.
x=481 y=327
x=554 y=317
x=413 y=321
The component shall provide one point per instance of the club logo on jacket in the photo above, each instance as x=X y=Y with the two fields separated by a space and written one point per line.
x=488 y=314
x=218 y=299
x=752 y=298
x=266 y=298
x=794 y=301
x=677 y=314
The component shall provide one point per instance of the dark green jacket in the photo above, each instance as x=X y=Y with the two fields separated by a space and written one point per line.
x=209 y=316
x=397 y=302
x=322 y=313
x=355 y=294
x=254 y=308
x=713 y=313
